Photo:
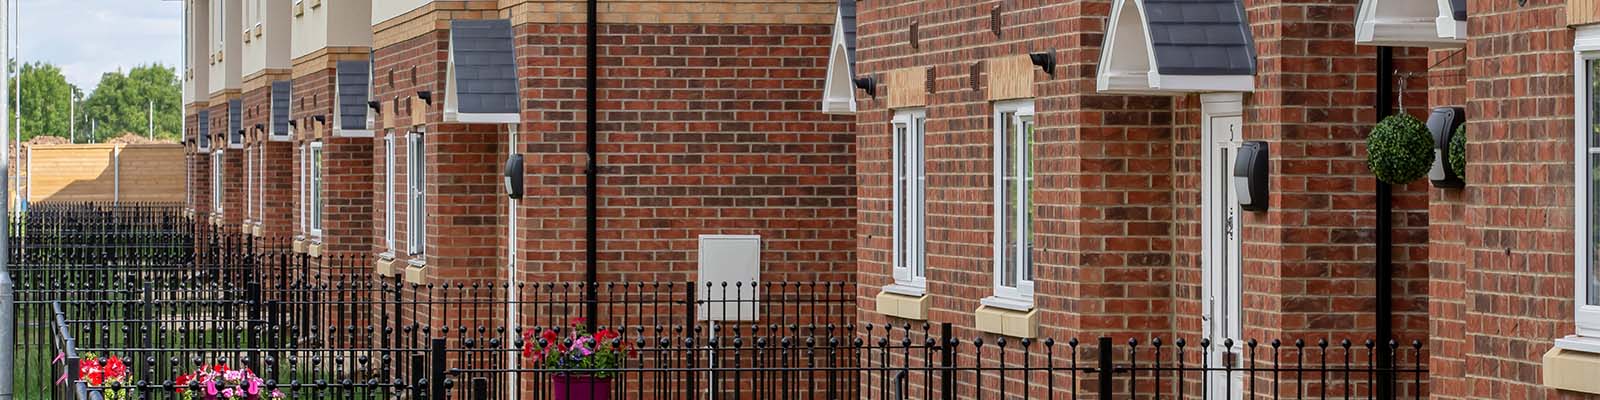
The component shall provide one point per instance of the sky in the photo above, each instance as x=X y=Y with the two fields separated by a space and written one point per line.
x=87 y=38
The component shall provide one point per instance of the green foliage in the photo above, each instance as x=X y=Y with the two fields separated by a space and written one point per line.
x=121 y=103
x=1458 y=152
x=1400 y=149
x=46 y=101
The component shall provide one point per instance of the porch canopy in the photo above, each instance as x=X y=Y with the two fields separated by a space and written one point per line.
x=1177 y=46
x=481 y=75
x=838 y=89
x=1412 y=23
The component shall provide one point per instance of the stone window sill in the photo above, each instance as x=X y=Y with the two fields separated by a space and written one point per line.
x=417 y=271
x=900 y=305
x=1007 y=322
x=1572 y=365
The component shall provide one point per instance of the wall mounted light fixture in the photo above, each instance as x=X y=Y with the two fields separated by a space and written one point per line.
x=426 y=96
x=868 y=84
x=1045 y=60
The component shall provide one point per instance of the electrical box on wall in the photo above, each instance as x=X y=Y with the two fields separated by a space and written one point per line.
x=513 y=176
x=731 y=265
x=1250 y=170
x=1443 y=123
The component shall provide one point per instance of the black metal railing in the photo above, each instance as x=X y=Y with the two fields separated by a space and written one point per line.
x=171 y=297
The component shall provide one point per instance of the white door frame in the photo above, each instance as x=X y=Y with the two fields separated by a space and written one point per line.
x=1220 y=212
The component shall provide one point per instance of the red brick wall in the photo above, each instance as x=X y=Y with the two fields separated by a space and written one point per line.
x=199 y=167
x=272 y=200
x=704 y=129
x=1447 y=253
x=347 y=172
x=232 y=168
x=465 y=213
x=1518 y=260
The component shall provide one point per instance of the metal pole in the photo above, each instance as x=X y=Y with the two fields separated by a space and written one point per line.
x=8 y=324
x=1384 y=269
x=151 y=131
x=72 y=117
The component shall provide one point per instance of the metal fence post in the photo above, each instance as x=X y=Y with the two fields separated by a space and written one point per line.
x=947 y=361
x=1106 y=368
x=418 y=369
x=480 y=388
x=436 y=357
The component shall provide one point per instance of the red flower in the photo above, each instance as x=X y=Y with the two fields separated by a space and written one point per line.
x=578 y=321
x=549 y=337
x=115 y=369
x=605 y=335
x=182 y=382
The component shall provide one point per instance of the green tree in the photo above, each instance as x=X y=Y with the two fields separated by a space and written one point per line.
x=121 y=103
x=45 y=100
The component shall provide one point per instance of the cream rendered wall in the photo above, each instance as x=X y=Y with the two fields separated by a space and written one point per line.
x=313 y=30
x=224 y=38
x=268 y=46
x=196 y=53
x=384 y=10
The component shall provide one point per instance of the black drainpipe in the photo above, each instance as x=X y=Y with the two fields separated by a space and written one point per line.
x=592 y=170
x=1384 y=267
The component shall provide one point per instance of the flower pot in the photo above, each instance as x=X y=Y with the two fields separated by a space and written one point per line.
x=580 y=387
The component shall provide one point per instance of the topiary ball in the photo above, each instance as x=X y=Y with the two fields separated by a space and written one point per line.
x=1458 y=152
x=1400 y=149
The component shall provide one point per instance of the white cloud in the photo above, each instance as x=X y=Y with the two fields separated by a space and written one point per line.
x=87 y=38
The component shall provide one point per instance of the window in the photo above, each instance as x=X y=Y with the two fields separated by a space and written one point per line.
x=316 y=188
x=303 y=186
x=910 y=255
x=216 y=181
x=1013 y=205
x=261 y=185
x=416 y=184
x=1587 y=140
x=249 y=184
x=388 y=192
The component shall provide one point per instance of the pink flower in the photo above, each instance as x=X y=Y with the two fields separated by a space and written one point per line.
x=211 y=387
x=255 y=387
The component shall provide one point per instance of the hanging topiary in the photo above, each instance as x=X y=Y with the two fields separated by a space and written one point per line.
x=1458 y=152
x=1400 y=149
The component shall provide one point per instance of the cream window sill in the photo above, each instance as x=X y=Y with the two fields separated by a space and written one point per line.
x=300 y=245
x=417 y=271
x=1007 y=303
x=314 y=249
x=1568 y=368
x=903 y=306
x=387 y=265
x=1000 y=321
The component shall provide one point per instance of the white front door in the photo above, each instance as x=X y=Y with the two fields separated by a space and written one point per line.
x=1222 y=282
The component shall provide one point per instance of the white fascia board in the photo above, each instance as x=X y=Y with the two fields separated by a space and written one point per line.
x=352 y=133
x=496 y=118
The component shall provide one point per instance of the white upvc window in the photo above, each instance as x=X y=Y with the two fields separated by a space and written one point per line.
x=1587 y=230
x=216 y=181
x=303 y=185
x=416 y=186
x=249 y=184
x=388 y=192
x=1013 y=205
x=261 y=185
x=910 y=191
x=316 y=188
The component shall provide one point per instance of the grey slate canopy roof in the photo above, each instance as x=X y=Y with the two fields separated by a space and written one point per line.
x=847 y=17
x=485 y=67
x=235 y=123
x=1200 y=37
x=281 y=90
x=1458 y=9
x=352 y=80
x=204 y=128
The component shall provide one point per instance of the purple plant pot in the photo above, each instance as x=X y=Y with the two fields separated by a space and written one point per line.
x=580 y=387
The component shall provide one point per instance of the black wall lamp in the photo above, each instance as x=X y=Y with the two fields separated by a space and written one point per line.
x=1250 y=175
x=513 y=176
x=260 y=127
x=375 y=106
x=426 y=96
x=1443 y=123
x=321 y=119
x=868 y=84
x=1045 y=60
x=294 y=124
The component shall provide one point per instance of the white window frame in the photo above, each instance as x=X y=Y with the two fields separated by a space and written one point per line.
x=249 y=185
x=261 y=185
x=216 y=182
x=416 y=201
x=388 y=193
x=315 y=161
x=1018 y=296
x=304 y=151
x=907 y=131
x=1586 y=317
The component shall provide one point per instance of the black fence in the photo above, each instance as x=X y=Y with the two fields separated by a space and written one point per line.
x=170 y=297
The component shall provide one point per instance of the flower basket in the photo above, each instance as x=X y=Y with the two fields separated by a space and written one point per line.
x=582 y=365
x=109 y=371
x=580 y=387
x=218 y=382
x=1400 y=149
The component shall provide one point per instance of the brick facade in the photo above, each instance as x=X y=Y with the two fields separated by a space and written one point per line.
x=348 y=219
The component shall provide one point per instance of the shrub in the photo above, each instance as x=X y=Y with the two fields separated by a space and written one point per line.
x=1399 y=149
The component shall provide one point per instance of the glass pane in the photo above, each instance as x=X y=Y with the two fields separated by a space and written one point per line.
x=1594 y=103
x=1593 y=278
x=1008 y=265
x=316 y=188
x=902 y=224
x=1027 y=197
x=920 y=168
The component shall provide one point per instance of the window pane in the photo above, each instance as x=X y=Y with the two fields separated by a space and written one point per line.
x=1008 y=193
x=921 y=179
x=1593 y=279
x=1594 y=103
x=316 y=188
x=902 y=224
x=1027 y=200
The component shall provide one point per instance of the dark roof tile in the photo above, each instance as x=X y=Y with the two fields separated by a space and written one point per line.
x=485 y=67
x=1200 y=37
